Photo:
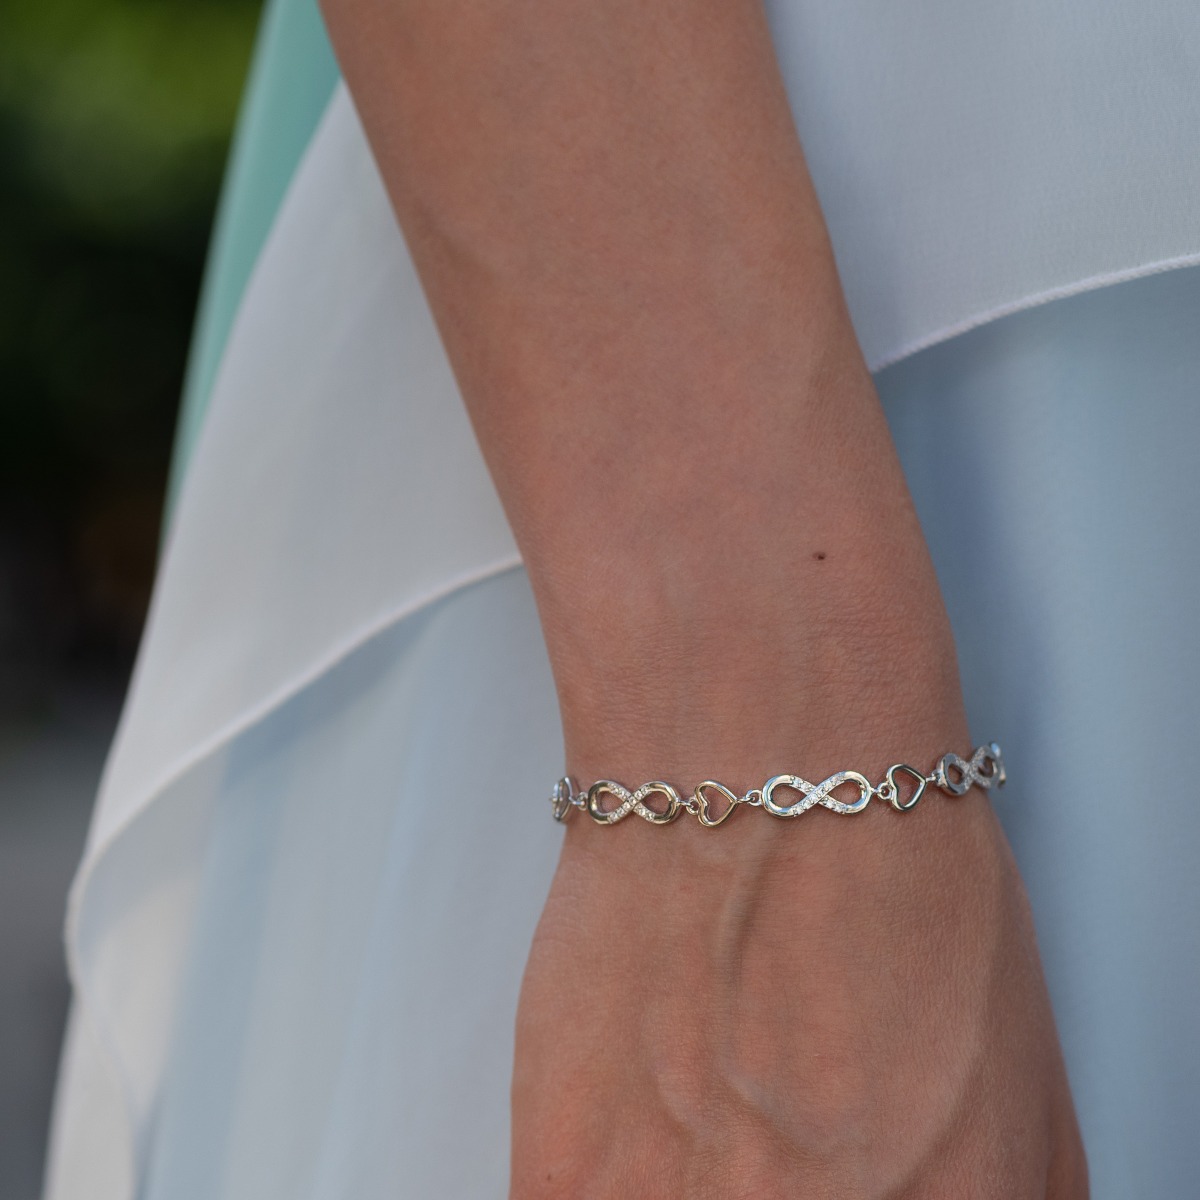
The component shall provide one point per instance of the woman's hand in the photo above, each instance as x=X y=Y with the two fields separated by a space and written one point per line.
x=839 y=1006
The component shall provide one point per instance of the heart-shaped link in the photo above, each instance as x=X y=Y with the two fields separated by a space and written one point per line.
x=922 y=782
x=814 y=794
x=628 y=802
x=700 y=796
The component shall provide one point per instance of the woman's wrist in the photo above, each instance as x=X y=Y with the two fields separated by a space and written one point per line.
x=783 y=590
x=743 y=676
x=861 y=704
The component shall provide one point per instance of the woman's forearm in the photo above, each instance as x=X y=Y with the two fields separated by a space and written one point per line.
x=611 y=215
x=609 y=210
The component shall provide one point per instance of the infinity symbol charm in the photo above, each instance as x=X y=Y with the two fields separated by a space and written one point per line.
x=632 y=802
x=971 y=772
x=816 y=794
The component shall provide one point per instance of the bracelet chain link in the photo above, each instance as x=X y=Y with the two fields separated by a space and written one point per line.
x=952 y=774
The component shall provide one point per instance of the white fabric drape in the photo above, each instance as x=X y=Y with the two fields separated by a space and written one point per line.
x=336 y=487
x=974 y=159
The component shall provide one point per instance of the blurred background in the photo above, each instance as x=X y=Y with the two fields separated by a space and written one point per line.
x=115 y=119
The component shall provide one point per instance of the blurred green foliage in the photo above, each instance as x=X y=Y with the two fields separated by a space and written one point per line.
x=115 y=118
x=123 y=107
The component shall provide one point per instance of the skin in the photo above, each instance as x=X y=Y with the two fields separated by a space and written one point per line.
x=611 y=215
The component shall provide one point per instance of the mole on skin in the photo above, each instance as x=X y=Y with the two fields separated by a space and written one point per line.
x=820 y=554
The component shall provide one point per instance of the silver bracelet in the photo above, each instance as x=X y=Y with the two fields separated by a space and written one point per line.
x=953 y=775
